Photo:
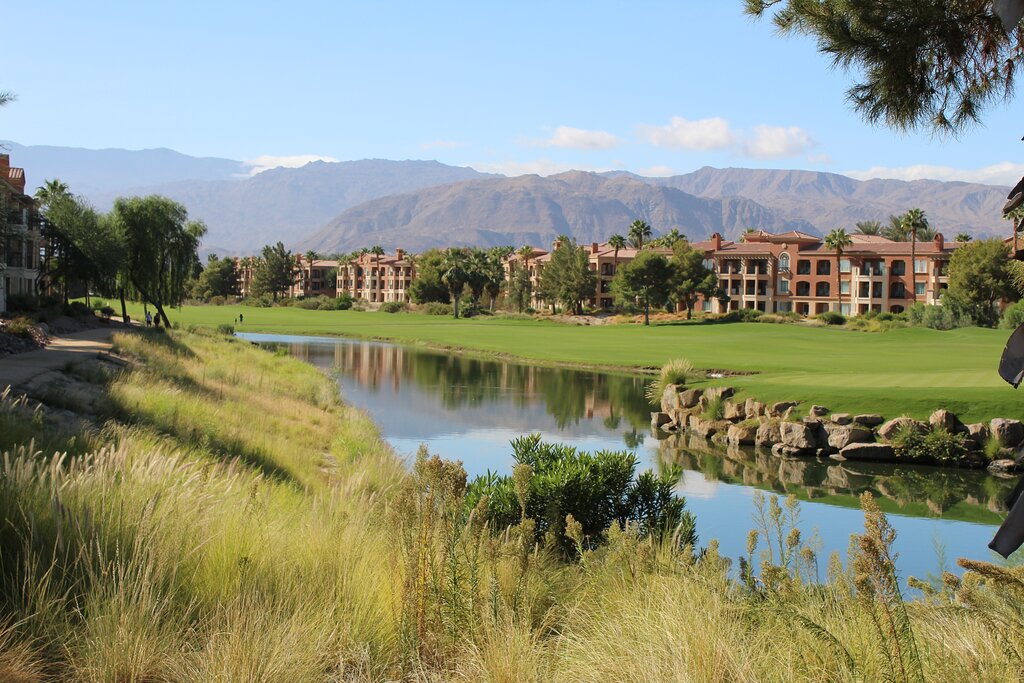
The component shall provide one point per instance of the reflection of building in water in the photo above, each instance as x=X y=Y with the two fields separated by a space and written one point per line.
x=915 y=490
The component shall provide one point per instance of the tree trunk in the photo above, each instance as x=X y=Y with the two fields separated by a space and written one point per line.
x=124 y=307
x=647 y=310
x=162 y=315
x=913 y=266
x=455 y=305
x=839 y=284
x=87 y=292
x=689 y=311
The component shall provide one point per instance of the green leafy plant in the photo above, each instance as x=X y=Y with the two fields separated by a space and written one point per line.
x=679 y=372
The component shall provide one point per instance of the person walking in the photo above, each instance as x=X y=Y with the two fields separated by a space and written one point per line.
x=241 y=318
x=149 y=319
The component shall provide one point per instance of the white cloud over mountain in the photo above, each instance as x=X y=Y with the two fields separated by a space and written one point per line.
x=1005 y=173
x=267 y=162
x=577 y=138
x=716 y=133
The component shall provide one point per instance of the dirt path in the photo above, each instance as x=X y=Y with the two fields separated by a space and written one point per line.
x=20 y=368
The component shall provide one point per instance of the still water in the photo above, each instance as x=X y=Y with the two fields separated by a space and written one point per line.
x=469 y=409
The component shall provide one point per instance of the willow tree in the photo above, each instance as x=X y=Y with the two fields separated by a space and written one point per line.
x=161 y=249
x=932 y=64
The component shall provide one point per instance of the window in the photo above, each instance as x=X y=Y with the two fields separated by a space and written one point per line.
x=821 y=289
x=844 y=265
x=706 y=306
x=803 y=267
x=803 y=289
x=876 y=290
x=844 y=287
x=899 y=267
x=897 y=291
x=824 y=268
x=919 y=288
x=709 y=263
x=784 y=306
x=845 y=309
x=921 y=265
x=784 y=262
x=783 y=286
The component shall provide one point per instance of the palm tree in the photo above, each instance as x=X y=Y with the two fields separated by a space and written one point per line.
x=616 y=242
x=638 y=232
x=454 y=275
x=6 y=97
x=377 y=252
x=963 y=237
x=914 y=221
x=51 y=190
x=869 y=228
x=896 y=230
x=838 y=240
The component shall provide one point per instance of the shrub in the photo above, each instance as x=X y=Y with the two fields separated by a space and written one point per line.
x=20 y=327
x=343 y=302
x=938 y=317
x=678 y=371
x=106 y=311
x=1013 y=316
x=714 y=404
x=553 y=481
x=938 y=444
x=225 y=329
x=23 y=303
x=435 y=308
x=217 y=300
x=831 y=318
x=392 y=307
x=261 y=301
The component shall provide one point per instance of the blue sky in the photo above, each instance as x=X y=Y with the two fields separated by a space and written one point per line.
x=651 y=87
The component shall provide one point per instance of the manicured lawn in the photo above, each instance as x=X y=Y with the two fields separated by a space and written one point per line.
x=905 y=371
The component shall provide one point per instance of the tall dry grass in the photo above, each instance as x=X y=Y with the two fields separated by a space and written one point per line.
x=233 y=521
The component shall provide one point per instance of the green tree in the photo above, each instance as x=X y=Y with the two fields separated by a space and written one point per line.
x=219 y=278
x=837 y=240
x=616 y=242
x=915 y=223
x=690 y=277
x=639 y=231
x=275 y=271
x=496 y=258
x=669 y=239
x=647 y=277
x=979 y=277
x=427 y=285
x=455 y=275
x=567 y=279
x=519 y=287
x=869 y=228
x=161 y=248
x=963 y=237
x=929 y=63
x=897 y=230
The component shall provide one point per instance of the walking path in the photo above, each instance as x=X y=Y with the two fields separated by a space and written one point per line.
x=73 y=348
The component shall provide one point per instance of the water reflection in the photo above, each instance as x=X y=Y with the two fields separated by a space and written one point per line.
x=905 y=489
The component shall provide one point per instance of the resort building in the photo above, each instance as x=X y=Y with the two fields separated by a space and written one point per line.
x=20 y=239
x=314 y=278
x=793 y=271
x=377 y=278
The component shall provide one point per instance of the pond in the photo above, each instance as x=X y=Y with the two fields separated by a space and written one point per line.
x=468 y=408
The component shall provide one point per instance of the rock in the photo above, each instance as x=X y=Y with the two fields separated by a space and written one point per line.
x=841 y=436
x=943 y=419
x=893 y=427
x=768 y=433
x=1003 y=466
x=842 y=418
x=978 y=435
x=727 y=392
x=797 y=435
x=1009 y=433
x=670 y=399
x=779 y=409
x=867 y=452
x=660 y=419
x=742 y=434
x=733 y=411
x=690 y=398
x=819 y=411
x=705 y=428
x=869 y=419
x=753 y=408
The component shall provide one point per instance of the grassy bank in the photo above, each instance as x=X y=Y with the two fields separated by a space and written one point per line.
x=228 y=519
x=905 y=371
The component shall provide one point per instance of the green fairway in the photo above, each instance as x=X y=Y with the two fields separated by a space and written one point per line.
x=906 y=371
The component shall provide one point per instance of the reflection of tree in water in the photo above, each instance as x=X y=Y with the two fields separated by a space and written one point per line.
x=908 y=489
x=633 y=439
x=465 y=382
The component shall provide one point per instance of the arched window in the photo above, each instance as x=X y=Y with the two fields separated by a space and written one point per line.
x=784 y=261
x=803 y=289
x=821 y=289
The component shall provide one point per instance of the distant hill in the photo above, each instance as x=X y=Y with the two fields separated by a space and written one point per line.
x=829 y=200
x=534 y=210
x=92 y=172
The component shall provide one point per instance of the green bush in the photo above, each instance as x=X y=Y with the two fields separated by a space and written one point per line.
x=551 y=481
x=228 y=330
x=217 y=300
x=938 y=317
x=831 y=318
x=392 y=307
x=261 y=301
x=343 y=302
x=938 y=444
x=678 y=371
x=435 y=308
x=106 y=311
x=1013 y=316
x=20 y=327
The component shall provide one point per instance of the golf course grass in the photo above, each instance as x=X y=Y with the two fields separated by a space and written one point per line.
x=909 y=371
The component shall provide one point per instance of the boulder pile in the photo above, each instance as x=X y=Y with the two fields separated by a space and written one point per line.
x=718 y=415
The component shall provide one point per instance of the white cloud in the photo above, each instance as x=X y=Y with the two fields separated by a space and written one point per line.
x=1005 y=173
x=772 y=142
x=700 y=135
x=267 y=162
x=542 y=167
x=577 y=138
x=656 y=171
x=442 y=144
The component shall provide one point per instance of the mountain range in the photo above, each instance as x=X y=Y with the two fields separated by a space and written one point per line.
x=341 y=206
